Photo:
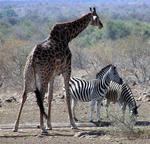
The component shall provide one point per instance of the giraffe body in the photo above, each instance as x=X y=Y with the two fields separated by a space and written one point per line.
x=47 y=64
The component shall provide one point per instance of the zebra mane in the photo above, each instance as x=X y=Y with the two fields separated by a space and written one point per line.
x=103 y=71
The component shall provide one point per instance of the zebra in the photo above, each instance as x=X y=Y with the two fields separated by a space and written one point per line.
x=94 y=90
x=121 y=94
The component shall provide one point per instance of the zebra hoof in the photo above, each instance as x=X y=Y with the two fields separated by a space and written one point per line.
x=99 y=121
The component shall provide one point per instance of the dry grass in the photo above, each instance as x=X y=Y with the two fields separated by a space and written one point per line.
x=106 y=134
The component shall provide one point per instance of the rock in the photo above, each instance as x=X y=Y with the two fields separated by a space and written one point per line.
x=144 y=98
x=62 y=97
x=147 y=98
x=11 y=99
x=89 y=134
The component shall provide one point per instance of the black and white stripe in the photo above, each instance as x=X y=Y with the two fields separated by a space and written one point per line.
x=121 y=94
x=94 y=90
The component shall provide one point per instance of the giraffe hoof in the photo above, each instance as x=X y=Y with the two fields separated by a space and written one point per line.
x=91 y=121
x=38 y=126
x=49 y=128
x=74 y=127
x=44 y=132
x=15 y=130
x=76 y=120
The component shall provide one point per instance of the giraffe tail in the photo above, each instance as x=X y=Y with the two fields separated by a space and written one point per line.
x=40 y=102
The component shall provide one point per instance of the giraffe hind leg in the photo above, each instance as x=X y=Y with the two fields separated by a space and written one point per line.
x=50 y=97
x=40 y=102
x=24 y=97
x=40 y=97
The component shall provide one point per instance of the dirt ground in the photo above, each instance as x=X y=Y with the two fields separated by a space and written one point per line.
x=64 y=134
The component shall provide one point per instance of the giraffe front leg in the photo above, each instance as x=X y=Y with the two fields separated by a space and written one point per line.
x=44 y=131
x=50 y=97
x=73 y=106
x=66 y=81
x=24 y=97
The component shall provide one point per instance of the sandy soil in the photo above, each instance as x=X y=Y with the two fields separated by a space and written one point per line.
x=65 y=135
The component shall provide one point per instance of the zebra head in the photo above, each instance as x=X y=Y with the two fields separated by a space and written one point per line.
x=113 y=75
x=134 y=114
x=134 y=111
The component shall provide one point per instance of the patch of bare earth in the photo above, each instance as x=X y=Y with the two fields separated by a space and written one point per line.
x=63 y=134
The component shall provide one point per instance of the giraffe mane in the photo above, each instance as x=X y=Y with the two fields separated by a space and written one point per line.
x=70 y=22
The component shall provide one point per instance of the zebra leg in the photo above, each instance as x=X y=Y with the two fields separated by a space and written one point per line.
x=73 y=106
x=123 y=112
x=50 y=97
x=92 y=106
x=98 y=110
x=107 y=106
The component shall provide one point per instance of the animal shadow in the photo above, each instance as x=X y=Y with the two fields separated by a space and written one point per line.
x=142 y=123
x=101 y=123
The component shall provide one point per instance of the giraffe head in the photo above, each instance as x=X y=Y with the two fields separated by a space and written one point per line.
x=95 y=21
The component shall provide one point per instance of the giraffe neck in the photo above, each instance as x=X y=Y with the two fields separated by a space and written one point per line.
x=68 y=31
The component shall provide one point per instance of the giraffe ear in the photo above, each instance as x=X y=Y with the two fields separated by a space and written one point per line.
x=90 y=9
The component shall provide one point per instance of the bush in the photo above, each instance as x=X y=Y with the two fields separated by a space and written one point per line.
x=116 y=30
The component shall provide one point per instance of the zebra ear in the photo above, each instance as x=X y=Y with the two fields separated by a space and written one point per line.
x=115 y=66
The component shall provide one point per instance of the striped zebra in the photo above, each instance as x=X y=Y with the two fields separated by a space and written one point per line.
x=94 y=90
x=121 y=94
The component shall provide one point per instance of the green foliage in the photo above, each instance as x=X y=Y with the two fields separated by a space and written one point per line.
x=9 y=15
x=34 y=22
x=5 y=30
x=8 y=12
x=24 y=25
x=89 y=37
x=116 y=30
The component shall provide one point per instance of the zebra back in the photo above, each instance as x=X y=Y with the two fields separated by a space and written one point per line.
x=81 y=89
x=85 y=91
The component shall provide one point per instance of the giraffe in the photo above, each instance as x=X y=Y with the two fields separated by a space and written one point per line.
x=50 y=58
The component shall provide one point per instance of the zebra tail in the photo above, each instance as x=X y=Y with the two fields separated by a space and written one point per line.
x=40 y=102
